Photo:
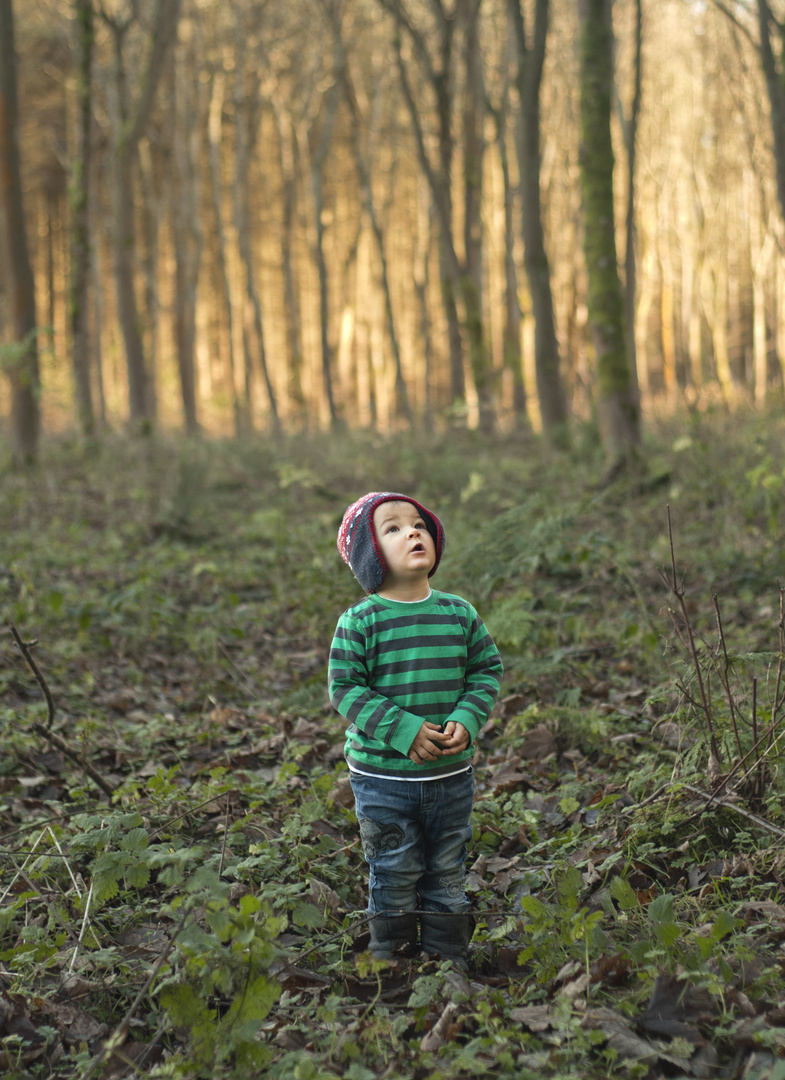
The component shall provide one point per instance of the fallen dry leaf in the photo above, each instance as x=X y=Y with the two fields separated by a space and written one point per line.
x=539 y=744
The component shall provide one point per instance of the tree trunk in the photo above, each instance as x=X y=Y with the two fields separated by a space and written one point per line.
x=96 y=278
x=454 y=336
x=456 y=282
x=319 y=139
x=188 y=239
x=127 y=309
x=630 y=130
x=720 y=333
x=511 y=329
x=362 y=163
x=774 y=73
x=473 y=157
x=153 y=194
x=20 y=360
x=421 y=275
x=216 y=195
x=760 y=276
x=80 y=220
x=287 y=151
x=667 y=307
x=618 y=410
x=245 y=139
x=129 y=125
x=550 y=391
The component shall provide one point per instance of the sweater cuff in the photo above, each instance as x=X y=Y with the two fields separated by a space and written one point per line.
x=405 y=732
x=469 y=721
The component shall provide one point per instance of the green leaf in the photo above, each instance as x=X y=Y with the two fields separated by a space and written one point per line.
x=252 y=1006
x=660 y=912
x=137 y=876
x=661 y=908
x=308 y=915
x=135 y=840
x=623 y=894
x=184 y=1006
x=534 y=907
x=568 y=883
x=108 y=870
x=724 y=924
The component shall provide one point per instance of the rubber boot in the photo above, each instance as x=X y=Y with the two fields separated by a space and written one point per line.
x=393 y=935
x=447 y=936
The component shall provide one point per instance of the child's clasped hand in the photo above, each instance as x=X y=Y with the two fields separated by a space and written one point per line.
x=431 y=742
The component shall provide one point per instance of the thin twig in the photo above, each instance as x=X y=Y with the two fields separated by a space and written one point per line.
x=658 y=794
x=731 y=806
x=778 y=702
x=25 y=647
x=729 y=776
x=226 y=833
x=678 y=591
x=85 y=924
x=193 y=809
x=106 y=1052
x=20 y=869
x=241 y=675
x=67 y=864
x=49 y=855
x=725 y=673
x=46 y=732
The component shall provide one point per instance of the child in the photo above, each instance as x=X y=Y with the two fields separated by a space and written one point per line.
x=416 y=674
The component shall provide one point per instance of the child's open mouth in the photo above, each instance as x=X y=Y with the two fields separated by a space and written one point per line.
x=418 y=547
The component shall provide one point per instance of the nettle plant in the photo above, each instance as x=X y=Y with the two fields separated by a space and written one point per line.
x=217 y=989
x=211 y=982
x=646 y=937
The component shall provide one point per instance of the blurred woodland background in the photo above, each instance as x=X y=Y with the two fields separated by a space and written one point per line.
x=375 y=213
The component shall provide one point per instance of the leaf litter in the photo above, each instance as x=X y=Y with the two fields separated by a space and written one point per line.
x=623 y=925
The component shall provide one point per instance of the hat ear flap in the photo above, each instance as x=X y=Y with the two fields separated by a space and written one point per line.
x=358 y=543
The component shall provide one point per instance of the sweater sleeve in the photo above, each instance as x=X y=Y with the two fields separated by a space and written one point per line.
x=350 y=693
x=482 y=679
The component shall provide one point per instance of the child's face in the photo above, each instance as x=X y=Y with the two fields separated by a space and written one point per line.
x=406 y=545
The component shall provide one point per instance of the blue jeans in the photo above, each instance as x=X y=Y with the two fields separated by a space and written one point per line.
x=414 y=835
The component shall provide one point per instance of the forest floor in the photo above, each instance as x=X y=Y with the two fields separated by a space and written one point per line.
x=182 y=889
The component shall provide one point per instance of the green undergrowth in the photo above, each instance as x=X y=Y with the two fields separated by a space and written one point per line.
x=206 y=918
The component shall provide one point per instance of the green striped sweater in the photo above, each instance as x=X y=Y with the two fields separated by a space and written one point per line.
x=394 y=665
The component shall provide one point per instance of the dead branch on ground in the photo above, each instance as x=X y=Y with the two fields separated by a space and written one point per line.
x=46 y=732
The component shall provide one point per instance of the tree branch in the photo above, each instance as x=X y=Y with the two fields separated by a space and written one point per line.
x=726 y=11
x=46 y=732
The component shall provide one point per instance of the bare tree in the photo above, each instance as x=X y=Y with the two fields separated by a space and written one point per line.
x=531 y=58
x=218 y=87
x=618 y=409
x=434 y=61
x=246 y=108
x=21 y=361
x=362 y=162
x=129 y=122
x=288 y=160
x=319 y=138
x=773 y=63
x=511 y=330
x=629 y=124
x=187 y=122
x=80 y=218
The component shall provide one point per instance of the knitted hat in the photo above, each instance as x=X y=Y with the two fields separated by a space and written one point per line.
x=359 y=545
